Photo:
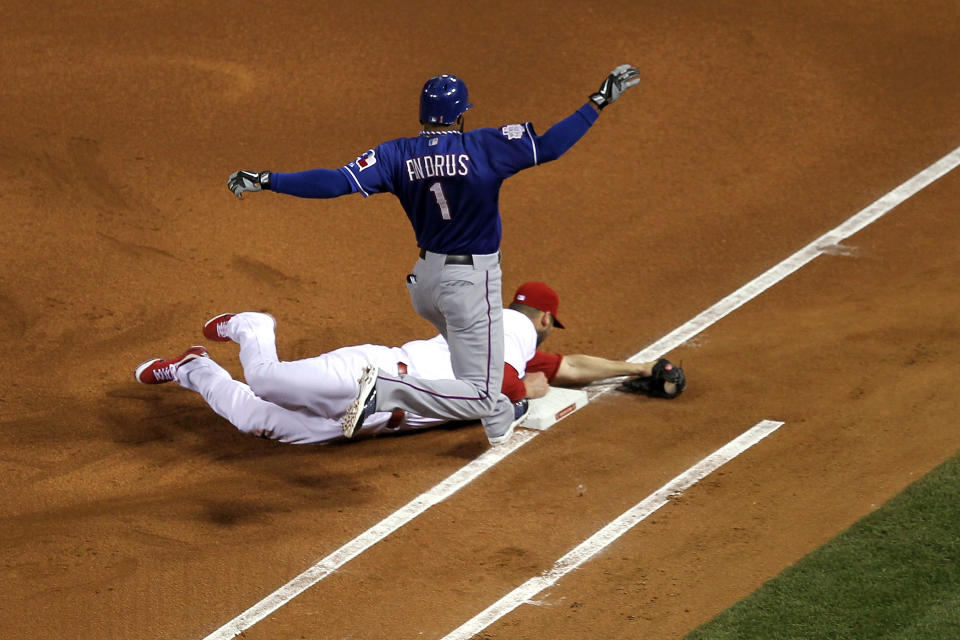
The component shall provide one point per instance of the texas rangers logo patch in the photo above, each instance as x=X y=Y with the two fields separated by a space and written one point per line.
x=513 y=131
x=366 y=160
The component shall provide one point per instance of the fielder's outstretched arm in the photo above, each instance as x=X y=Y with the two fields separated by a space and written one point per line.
x=578 y=369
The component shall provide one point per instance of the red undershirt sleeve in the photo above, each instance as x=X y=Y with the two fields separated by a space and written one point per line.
x=546 y=363
x=513 y=386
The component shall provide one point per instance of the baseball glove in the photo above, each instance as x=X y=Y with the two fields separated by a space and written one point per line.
x=653 y=385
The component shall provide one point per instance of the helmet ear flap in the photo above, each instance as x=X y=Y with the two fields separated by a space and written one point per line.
x=443 y=100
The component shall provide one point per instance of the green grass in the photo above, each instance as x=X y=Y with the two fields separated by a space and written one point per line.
x=893 y=575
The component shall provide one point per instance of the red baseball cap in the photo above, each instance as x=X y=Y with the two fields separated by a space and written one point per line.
x=539 y=296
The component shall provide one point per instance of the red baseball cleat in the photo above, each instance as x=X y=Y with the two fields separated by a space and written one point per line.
x=158 y=371
x=216 y=328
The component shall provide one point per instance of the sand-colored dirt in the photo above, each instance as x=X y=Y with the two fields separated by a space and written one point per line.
x=134 y=512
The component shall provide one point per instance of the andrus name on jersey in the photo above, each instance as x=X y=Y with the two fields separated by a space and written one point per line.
x=443 y=165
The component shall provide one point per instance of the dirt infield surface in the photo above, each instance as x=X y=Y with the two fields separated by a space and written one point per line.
x=134 y=512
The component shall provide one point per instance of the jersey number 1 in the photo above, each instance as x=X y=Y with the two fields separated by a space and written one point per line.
x=437 y=189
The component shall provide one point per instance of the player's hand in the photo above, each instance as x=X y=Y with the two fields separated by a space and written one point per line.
x=619 y=80
x=536 y=384
x=241 y=181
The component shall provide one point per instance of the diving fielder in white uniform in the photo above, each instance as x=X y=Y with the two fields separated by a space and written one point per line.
x=302 y=401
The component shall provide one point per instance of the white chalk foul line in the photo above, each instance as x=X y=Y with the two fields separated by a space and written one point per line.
x=670 y=341
x=821 y=245
x=602 y=538
x=370 y=537
x=738 y=298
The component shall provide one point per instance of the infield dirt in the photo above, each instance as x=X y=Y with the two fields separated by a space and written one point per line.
x=134 y=512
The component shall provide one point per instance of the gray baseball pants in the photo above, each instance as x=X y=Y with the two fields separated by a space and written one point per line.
x=465 y=303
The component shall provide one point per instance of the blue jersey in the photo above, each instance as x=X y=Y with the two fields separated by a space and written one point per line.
x=448 y=182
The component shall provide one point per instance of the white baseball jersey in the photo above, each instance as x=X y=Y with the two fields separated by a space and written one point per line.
x=301 y=402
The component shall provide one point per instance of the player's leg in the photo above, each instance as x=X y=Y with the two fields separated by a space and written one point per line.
x=235 y=402
x=465 y=304
x=468 y=340
x=323 y=385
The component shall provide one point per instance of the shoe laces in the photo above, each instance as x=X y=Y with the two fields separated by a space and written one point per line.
x=222 y=329
x=166 y=372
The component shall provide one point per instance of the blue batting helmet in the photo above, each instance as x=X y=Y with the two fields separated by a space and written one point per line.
x=443 y=99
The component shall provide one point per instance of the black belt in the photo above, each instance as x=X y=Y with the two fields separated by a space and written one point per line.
x=451 y=258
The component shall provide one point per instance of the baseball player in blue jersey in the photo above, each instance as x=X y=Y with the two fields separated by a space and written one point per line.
x=448 y=182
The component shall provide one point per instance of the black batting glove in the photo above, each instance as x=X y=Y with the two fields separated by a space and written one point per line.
x=241 y=181
x=619 y=80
